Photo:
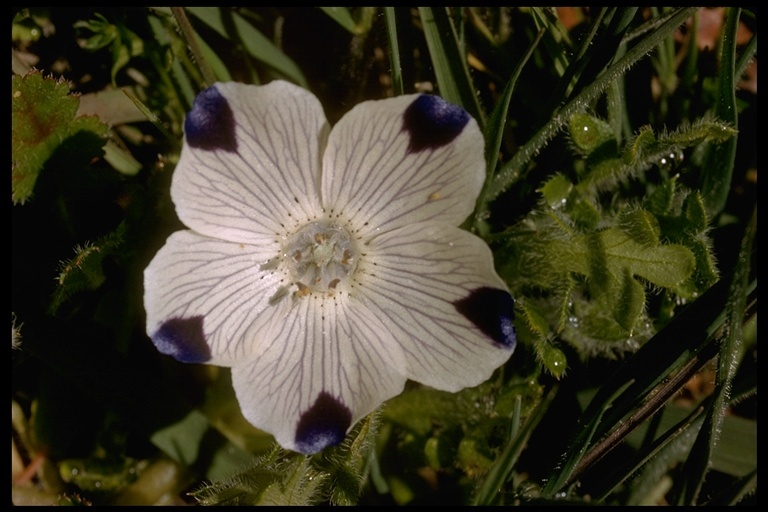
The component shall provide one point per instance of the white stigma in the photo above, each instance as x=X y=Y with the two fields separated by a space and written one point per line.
x=320 y=256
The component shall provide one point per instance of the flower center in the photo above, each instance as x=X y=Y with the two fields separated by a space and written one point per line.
x=319 y=256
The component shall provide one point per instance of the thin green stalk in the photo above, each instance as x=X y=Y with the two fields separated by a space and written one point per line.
x=586 y=434
x=656 y=449
x=495 y=127
x=499 y=473
x=151 y=116
x=189 y=35
x=746 y=56
x=396 y=67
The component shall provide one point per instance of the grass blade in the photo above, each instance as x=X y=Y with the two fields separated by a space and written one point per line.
x=450 y=61
x=394 y=50
x=718 y=167
x=254 y=42
x=495 y=127
x=515 y=169
x=503 y=466
x=698 y=463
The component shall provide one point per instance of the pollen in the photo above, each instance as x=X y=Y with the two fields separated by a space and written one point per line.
x=303 y=290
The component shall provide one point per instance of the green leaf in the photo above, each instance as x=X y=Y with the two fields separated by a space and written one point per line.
x=494 y=131
x=718 y=168
x=280 y=477
x=103 y=33
x=121 y=159
x=125 y=43
x=556 y=190
x=695 y=212
x=660 y=200
x=390 y=19
x=611 y=259
x=535 y=319
x=552 y=358
x=499 y=472
x=663 y=265
x=193 y=43
x=629 y=303
x=642 y=227
x=689 y=228
x=276 y=478
x=255 y=43
x=347 y=464
x=343 y=17
x=43 y=117
x=185 y=442
x=583 y=210
x=450 y=61
x=84 y=272
x=589 y=133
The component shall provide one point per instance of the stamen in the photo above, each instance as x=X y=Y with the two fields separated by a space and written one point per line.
x=322 y=255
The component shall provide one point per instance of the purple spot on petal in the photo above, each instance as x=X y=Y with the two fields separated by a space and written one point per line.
x=183 y=339
x=492 y=311
x=322 y=425
x=432 y=122
x=210 y=124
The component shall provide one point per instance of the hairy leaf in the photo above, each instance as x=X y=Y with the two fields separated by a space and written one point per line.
x=43 y=117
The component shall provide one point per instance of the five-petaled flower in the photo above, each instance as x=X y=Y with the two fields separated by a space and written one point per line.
x=325 y=267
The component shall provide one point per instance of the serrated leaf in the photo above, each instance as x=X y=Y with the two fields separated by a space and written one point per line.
x=696 y=212
x=84 y=271
x=552 y=358
x=535 y=319
x=612 y=259
x=43 y=117
x=630 y=302
x=642 y=226
x=556 y=190
x=346 y=464
x=663 y=265
x=644 y=140
x=276 y=478
x=583 y=211
x=660 y=200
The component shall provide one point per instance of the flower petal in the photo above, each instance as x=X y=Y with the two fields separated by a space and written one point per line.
x=203 y=295
x=250 y=165
x=402 y=160
x=329 y=363
x=435 y=288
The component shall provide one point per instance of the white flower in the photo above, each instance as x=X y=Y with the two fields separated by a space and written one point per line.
x=325 y=267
